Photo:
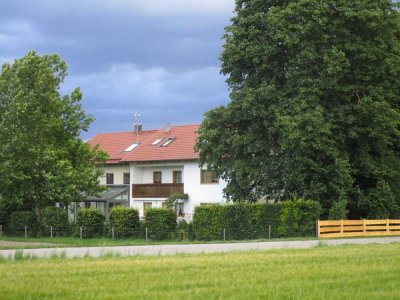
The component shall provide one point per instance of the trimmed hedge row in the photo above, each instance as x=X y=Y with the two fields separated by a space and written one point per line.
x=161 y=223
x=56 y=218
x=92 y=222
x=251 y=221
x=125 y=222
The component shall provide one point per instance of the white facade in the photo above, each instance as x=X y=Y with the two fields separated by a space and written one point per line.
x=142 y=173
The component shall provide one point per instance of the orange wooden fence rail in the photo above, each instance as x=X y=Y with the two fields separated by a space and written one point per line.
x=348 y=228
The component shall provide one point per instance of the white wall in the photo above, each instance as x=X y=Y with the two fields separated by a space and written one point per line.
x=200 y=193
x=118 y=171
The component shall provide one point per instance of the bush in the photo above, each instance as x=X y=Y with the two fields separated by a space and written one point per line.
x=92 y=221
x=56 y=218
x=125 y=222
x=209 y=222
x=19 y=220
x=299 y=218
x=338 y=210
x=183 y=225
x=271 y=216
x=161 y=223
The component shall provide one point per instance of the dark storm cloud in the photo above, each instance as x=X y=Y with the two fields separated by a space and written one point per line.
x=159 y=57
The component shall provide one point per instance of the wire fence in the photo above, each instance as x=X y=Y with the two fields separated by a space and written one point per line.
x=186 y=232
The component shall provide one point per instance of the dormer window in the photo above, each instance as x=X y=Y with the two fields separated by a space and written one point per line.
x=156 y=141
x=168 y=141
x=131 y=147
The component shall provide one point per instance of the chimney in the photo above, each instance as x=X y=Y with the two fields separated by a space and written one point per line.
x=138 y=127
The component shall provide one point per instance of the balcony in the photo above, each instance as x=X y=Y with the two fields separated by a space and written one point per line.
x=150 y=190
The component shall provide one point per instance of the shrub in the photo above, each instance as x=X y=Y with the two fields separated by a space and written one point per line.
x=271 y=216
x=299 y=218
x=125 y=221
x=161 y=223
x=338 y=210
x=56 y=218
x=183 y=225
x=92 y=222
x=20 y=219
x=209 y=222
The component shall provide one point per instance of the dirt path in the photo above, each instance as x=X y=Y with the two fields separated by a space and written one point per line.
x=192 y=248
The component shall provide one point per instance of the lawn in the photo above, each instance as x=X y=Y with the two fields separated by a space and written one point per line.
x=345 y=272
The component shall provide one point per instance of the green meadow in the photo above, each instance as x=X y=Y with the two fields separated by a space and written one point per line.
x=344 y=272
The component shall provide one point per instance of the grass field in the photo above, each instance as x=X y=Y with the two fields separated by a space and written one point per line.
x=345 y=272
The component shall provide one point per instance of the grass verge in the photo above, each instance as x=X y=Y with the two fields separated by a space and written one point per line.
x=344 y=272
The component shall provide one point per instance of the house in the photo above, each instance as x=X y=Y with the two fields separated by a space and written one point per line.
x=145 y=167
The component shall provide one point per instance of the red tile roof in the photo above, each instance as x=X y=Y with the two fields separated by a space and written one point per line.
x=181 y=148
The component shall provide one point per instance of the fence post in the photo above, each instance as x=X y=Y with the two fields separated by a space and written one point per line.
x=51 y=231
x=318 y=229
x=341 y=227
x=364 y=227
x=224 y=234
x=1 y=230
x=26 y=231
x=387 y=227
x=112 y=232
x=269 y=232
x=81 y=232
x=146 y=234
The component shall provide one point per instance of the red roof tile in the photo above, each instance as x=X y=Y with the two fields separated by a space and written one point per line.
x=181 y=148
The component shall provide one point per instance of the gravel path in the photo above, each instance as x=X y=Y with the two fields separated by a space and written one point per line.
x=192 y=248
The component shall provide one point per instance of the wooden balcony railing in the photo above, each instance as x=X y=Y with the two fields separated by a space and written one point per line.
x=162 y=190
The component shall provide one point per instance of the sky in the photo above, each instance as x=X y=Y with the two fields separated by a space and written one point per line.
x=156 y=57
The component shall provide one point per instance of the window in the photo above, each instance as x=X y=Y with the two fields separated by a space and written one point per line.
x=156 y=141
x=109 y=178
x=157 y=177
x=168 y=141
x=131 y=147
x=127 y=178
x=180 y=209
x=146 y=206
x=207 y=176
x=177 y=176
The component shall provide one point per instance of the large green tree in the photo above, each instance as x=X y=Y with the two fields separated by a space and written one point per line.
x=42 y=159
x=314 y=110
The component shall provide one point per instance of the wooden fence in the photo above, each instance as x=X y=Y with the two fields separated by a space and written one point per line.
x=349 y=228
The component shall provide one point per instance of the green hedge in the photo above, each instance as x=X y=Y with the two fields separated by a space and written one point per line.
x=299 y=218
x=92 y=222
x=252 y=221
x=161 y=223
x=56 y=218
x=125 y=222
x=19 y=220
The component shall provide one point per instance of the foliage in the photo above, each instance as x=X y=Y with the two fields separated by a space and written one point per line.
x=92 y=222
x=183 y=225
x=251 y=221
x=20 y=219
x=314 y=110
x=44 y=161
x=57 y=218
x=171 y=200
x=161 y=223
x=338 y=210
x=209 y=222
x=125 y=221
x=298 y=218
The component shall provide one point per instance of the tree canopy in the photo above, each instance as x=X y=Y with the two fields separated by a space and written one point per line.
x=314 y=110
x=43 y=160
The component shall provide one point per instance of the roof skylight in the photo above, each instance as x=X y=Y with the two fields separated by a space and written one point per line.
x=168 y=141
x=131 y=147
x=156 y=141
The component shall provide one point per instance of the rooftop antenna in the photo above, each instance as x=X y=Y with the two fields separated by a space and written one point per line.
x=137 y=125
